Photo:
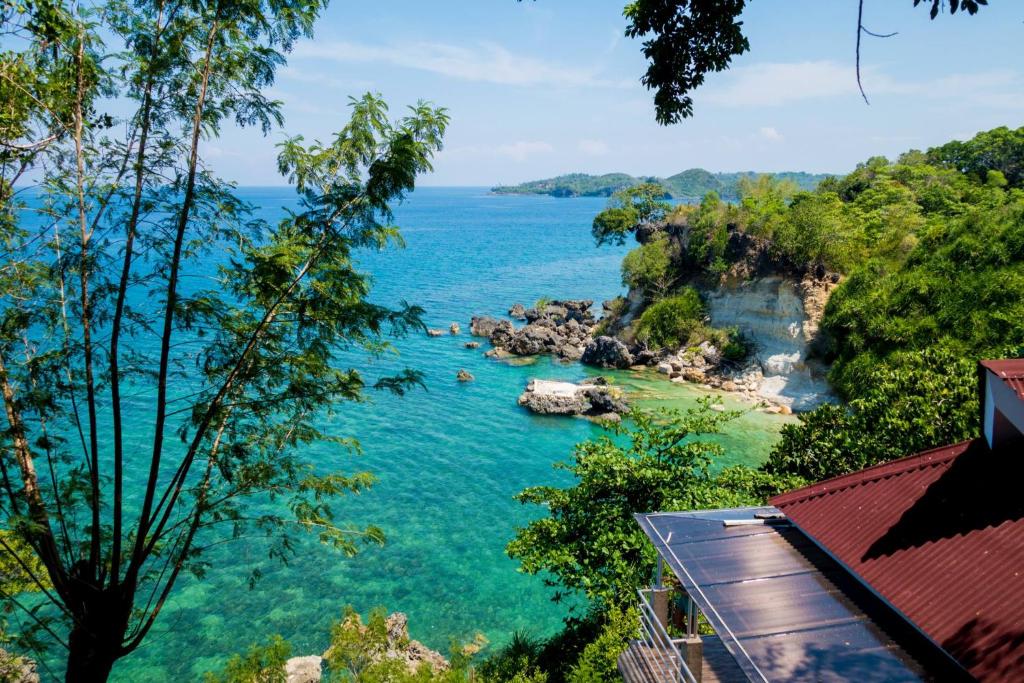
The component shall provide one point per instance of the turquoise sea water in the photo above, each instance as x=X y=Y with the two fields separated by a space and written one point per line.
x=449 y=458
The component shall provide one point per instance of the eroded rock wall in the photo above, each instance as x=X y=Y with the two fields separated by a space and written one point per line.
x=780 y=317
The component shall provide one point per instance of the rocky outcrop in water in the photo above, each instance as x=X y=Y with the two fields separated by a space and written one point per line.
x=607 y=352
x=485 y=325
x=560 y=328
x=517 y=311
x=592 y=398
x=464 y=376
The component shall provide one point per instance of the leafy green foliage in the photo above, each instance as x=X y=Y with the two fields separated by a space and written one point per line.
x=690 y=38
x=671 y=322
x=649 y=268
x=367 y=653
x=589 y=540
x=598 y=663
x=148 y=271
x=628 y=209
x=1000 y=149
x=260 y=664
x=917 y=401
x=518 y=660
x=960 y=287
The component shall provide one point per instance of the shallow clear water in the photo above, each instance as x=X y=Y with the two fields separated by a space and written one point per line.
x=449 y=459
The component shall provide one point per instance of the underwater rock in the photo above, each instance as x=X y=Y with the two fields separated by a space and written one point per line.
x=464 y=376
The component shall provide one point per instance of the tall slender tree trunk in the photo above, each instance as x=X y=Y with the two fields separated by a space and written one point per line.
x=88 y=660
x=95 y=641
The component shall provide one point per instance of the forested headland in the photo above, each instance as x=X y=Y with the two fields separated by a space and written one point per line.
x=688 y=185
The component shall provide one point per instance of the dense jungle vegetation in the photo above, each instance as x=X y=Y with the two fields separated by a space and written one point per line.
x=929 y=252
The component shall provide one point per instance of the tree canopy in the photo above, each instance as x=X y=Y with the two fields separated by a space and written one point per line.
x=685 y=40
x=143 y=296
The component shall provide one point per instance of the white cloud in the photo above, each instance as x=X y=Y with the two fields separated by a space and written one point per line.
x=594 y=148
x=519 y=151
x=773 y=84
x=486 y=62
x=769 y=133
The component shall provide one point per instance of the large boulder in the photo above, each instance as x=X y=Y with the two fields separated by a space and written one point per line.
x=562 y=310
x=548 y=397
x=607 y=352
x=518 y=311
x=502 y=333
x=533 y=339
x=484 y=325
x=304 y=669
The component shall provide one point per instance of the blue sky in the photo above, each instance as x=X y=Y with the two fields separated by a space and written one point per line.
x=537 y=89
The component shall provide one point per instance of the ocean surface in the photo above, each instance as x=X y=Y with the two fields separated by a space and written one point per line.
x=449 y=458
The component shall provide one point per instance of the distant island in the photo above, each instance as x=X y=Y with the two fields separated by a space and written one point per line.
x=693 y=183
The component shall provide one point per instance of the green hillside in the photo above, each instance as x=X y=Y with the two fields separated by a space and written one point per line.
x=690 y=184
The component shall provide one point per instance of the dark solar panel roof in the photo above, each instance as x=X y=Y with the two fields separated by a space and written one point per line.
x=784 y=609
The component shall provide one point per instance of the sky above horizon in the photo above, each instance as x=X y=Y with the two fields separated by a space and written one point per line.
x=537 y=89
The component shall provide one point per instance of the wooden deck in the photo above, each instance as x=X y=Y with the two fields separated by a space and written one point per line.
x=718 y=665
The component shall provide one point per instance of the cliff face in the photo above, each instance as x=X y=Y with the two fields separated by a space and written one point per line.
x=774 y=303
x=780 y=316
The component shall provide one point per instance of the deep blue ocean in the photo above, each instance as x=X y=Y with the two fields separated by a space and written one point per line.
x=449 y=458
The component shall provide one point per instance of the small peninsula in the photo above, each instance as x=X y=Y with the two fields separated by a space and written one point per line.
x=691 y=184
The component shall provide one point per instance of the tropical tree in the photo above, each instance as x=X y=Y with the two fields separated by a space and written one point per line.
x=164 y=353
x=921 y=400
x=589 y=540
x=649 y=267
x=687 y=39
x=628 y=209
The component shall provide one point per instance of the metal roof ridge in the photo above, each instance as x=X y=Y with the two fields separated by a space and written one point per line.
x=883 y=470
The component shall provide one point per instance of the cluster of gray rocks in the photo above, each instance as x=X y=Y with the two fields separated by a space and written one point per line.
x=703 y=365
x=568 y=330
x=559 y=328
x=563 y=328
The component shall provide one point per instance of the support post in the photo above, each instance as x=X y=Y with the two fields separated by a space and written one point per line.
x=692 y=650
x=659 y=604
x=659 y=595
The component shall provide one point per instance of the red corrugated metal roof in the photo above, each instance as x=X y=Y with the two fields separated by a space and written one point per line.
x=940 y=536
x=1010 y=371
